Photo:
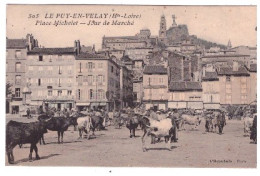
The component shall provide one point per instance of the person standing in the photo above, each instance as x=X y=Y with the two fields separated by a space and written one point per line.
x=28 y=112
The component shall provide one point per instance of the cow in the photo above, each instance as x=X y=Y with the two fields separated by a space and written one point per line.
x=248 y=123
x=189 y=120
x=84 y=124
x=22 y=133
x=132 y=124
x=59 y=124
x=253 y=134
x=164 y=128
x=97 y=123
x=215 y=120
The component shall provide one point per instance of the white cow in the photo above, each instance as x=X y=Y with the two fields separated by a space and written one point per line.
x=84 y=124
x=248 y=123
x=189 y=120
x=164 y=128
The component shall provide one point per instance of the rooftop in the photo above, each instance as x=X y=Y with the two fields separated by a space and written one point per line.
x=184 y=86
x=210 y=76
x=242 y=71
x=155 y=69
x=16 y=43
x=67 y=50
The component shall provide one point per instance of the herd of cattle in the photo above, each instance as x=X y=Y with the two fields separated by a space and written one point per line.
x=18 y=133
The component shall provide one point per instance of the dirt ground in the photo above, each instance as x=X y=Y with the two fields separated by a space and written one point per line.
x=113 y=148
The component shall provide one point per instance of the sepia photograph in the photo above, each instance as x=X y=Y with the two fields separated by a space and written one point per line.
x=159 y=86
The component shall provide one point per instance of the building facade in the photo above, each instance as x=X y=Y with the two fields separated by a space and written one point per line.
x=50 y=75
x=16 y=57
x=155 y=85
x=97 y=82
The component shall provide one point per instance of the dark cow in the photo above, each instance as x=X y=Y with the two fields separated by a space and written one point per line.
x=164 y=128
x=22 y=133
x=59 y=124
x=253 y=134
x=132 y=123
x=97 y=123
x=217 y=120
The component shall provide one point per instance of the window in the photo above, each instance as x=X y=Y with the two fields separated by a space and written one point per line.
x=69 y=92
x=60 y=69
x=18 y=54
x=101 y=94
x=100 y=79
x=50 y=69
x=70 y=69
x=40 y=58
x=160 y=80
x=18 y=79
x=30 y=68
x=59 y=82
x=49 y=92
x=90 y=79
x=112 y=69
x=59 y=92
x=39 y=82
x=100 y=65
x=17 y=92
x=79 y=94
x=228 y=79
x=91 y=65
x=91 y=94
x=80 y=67
x=18 y=66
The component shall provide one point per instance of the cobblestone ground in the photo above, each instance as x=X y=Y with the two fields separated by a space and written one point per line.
x=113 y=147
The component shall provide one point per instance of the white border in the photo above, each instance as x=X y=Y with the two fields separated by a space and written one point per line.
x=42 y=171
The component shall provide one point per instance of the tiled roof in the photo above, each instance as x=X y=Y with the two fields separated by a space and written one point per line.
x=155 y=69
x=184 y=86
x=242 y=71
x=88 y=55
x=226 y=55
x=16 y=43
x=210 y=76
x=68 y=50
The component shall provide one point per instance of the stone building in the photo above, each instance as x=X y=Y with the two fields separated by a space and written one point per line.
x=234 y=82
x=185 y=94
x=97 y=81
x=16 y=56
x=155 y=85
x=50 y=73
x=126 y=87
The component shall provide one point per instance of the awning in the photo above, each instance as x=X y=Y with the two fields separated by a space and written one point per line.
x=83 y=104
x=16 y=103
x=94 y=104
x=102 y=104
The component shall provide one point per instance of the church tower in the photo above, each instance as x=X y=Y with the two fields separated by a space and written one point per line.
x=229 y=46
x=162 y=31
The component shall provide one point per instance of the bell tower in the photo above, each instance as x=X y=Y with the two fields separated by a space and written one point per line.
x=162 y=31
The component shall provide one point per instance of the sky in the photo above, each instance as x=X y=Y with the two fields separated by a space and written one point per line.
x=213 y=23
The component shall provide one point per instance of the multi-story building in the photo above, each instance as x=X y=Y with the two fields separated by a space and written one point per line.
x=155 y=85
x=97 y=81
x=50 y=74
x=16 y=56
x=234 y=85
x=252 y=82
x=184 y=95
x=126 y=87
x=211 y=88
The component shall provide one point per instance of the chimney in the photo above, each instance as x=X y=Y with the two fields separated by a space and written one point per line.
x=77 y=46
x=235 y=66
x=29 y=41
